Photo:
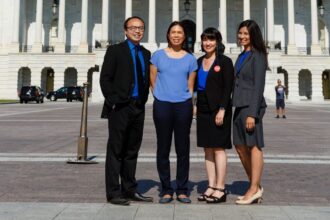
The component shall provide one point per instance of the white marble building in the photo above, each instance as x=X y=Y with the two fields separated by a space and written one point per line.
x=54 y=43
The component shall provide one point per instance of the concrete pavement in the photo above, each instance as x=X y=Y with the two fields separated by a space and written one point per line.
x=100 y=211
x=36 y=183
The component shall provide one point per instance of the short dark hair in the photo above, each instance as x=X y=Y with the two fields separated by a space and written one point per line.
x=130 y=18
x=257 y=42
x=184 y=44
x=212 y=33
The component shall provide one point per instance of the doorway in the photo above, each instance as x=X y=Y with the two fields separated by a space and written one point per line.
x=190 y=29
x=305 y=84
x=326 y=84
x=47 y=79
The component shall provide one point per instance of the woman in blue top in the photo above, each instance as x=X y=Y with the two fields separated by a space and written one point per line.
x=215 y=77
x=172 y=77
x=250 y=106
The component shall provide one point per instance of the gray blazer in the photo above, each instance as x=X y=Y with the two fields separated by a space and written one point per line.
x=249 y=83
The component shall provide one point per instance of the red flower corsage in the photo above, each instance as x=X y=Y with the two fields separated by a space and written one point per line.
x=217 y=68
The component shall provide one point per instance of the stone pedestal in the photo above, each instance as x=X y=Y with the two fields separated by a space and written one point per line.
x=59 y=48
x=83 y=48
x=14 y=47
x=292 y=50
x=37 y=48
x=316 y=49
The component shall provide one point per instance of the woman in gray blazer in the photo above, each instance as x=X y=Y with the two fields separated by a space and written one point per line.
x=250 y=105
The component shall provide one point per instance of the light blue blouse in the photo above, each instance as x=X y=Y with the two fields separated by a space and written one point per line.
x=172 y=76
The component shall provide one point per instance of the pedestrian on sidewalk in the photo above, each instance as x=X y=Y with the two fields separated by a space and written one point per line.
x=172 y=75
x=250 y=106
x=124 y=82
x=214 y=82
x=280 y=99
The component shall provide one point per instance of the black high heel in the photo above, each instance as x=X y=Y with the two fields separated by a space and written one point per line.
x=214 y=199
x=203 y=197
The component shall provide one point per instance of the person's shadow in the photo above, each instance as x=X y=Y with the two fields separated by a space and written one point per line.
x=235 y=188
x=144 y=185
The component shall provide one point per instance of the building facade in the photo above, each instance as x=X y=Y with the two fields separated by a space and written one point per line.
x=55 y=43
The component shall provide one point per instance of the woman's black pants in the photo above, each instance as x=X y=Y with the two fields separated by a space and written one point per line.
x=168 y=118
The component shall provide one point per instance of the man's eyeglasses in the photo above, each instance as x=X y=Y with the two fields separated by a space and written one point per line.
x=135 y=28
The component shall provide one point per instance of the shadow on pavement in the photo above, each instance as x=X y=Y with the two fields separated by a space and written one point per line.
x=145 y=185
x=238 y=187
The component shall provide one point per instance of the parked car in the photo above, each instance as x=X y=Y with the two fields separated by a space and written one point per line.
x=31 y=93
x=75 y=93
x=61 y=93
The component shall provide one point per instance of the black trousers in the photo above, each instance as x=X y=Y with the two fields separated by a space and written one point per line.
x=125 y=125
x=169 y=117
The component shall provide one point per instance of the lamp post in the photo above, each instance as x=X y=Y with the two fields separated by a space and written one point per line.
x=54 y=7
x=320 y=7
x=187 y=6
x=321 y=10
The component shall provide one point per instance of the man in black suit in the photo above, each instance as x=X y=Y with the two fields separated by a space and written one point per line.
x=124 y=82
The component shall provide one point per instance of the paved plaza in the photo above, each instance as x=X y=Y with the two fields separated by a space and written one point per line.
x=37 y=183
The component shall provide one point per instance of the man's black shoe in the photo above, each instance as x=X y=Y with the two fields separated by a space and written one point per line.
x=118 y=201
x=138 y=197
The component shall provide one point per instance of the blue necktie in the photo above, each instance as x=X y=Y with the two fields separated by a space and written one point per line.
x=140 y=80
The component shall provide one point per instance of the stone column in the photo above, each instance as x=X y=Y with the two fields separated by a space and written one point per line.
x=105 y=23
x=128 y=8
x=97 y=95
x=152 y=26
x=246 y=10
x=82 y=75
x=14 y=47
x=59 y=77
x=37 y=46
x=60 y=45
x=317 y=87
x=223 y=20
x=293 y=84
x=270 y=22
x=315 y=47
x=83 y=47
x=23 y=19
x=292 y=49
x=199 y=25
x=175 y=10
x=36 y=71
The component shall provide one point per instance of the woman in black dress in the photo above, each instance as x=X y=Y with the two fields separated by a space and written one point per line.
x=214 y=112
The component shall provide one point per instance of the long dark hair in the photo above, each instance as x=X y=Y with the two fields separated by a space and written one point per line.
x=184 y=44
x=212 y=33
x=257 y=42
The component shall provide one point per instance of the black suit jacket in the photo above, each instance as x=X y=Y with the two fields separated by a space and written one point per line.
x=117 y=76
x=250 y=83
x=219 y=85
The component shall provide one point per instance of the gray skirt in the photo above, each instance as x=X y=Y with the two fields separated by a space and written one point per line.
x=241 y=136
